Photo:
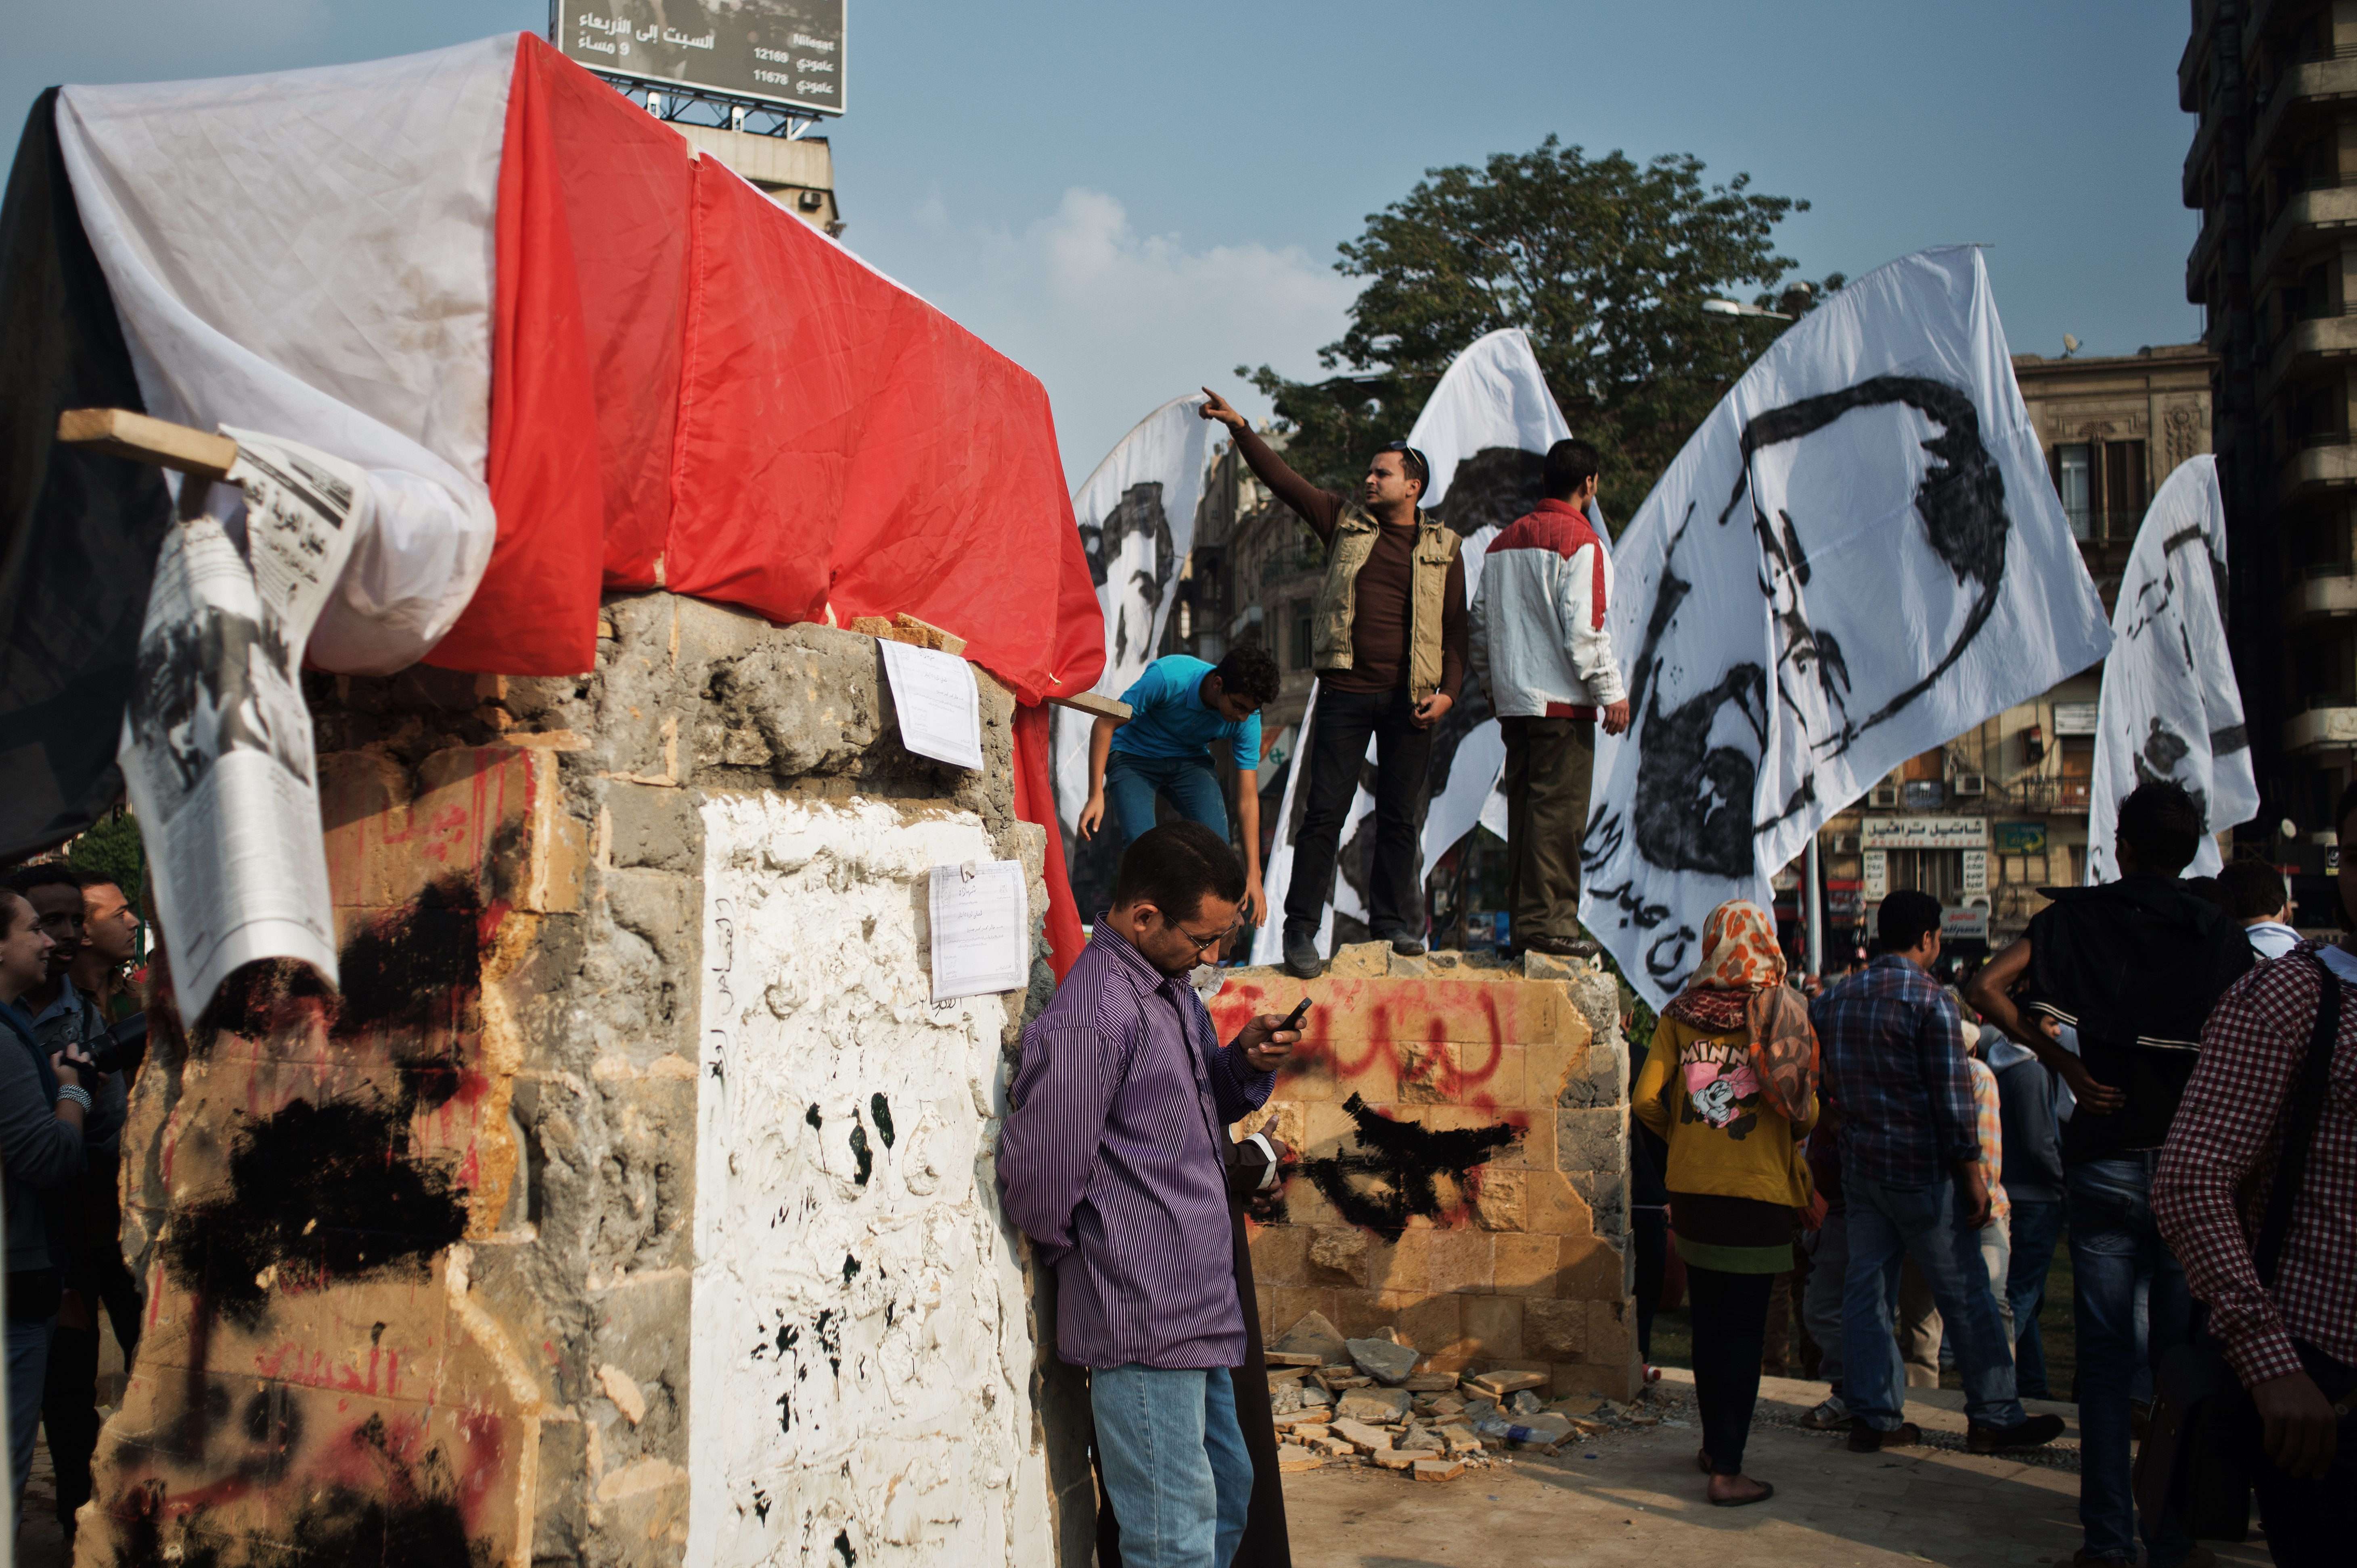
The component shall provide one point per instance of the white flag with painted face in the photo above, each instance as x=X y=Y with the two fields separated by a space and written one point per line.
x=1136 y=513
x=2170 y=707
x=1858 y=558
x=1485 y=431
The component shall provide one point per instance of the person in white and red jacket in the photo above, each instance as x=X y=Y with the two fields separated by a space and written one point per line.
x=1538 y=641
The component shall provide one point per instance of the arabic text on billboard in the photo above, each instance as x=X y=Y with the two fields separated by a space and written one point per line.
x=789 y=52
x=1924 y=833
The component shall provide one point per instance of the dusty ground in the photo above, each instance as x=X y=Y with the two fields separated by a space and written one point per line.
x=1635 y=1498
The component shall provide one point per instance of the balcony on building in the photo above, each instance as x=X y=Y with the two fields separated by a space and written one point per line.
x=2317 y=83
x=2329 y=722
x=2320 y=461
x=2326 y=590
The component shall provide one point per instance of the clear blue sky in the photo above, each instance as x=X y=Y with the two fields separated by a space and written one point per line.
x=1132 y=199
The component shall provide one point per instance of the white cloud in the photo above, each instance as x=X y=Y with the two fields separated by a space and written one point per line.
x=1115 y=322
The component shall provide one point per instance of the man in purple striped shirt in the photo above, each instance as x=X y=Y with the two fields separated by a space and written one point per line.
x=1111 y=1158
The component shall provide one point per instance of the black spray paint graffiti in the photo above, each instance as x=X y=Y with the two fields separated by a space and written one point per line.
x=1396 y=1168
x=1137 y=514
x=1699 y=758
x=337 y=1191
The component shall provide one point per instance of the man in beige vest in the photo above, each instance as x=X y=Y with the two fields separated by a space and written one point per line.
x=1387 y=640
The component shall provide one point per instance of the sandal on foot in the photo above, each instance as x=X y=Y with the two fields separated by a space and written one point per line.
x=1767 y=1490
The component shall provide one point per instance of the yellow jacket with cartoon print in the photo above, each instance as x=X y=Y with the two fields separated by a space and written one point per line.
x=1699 y=1093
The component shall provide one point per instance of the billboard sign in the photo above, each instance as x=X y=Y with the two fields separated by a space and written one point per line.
x=1924 y=833
x=787 y=52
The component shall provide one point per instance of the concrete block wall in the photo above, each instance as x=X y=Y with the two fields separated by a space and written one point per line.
x=1462 y=1175
x=632 y=1204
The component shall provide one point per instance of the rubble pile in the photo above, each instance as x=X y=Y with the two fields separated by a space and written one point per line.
x=1364 y=1402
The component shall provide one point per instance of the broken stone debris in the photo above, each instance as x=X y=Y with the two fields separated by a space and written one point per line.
x=1376 y=1405
x=1312 y=1334
x=1384 y=1360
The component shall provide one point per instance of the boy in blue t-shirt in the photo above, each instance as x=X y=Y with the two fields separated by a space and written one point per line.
x=1181 y=707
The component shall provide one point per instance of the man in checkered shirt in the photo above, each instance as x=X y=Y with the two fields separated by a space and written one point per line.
x=2294 y=1345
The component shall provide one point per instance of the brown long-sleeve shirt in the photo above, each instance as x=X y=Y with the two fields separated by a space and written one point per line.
x=1380 y=626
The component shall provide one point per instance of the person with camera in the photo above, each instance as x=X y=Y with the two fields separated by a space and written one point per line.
x=42 y=1106
x=87 y=1216
x=2256 y=1192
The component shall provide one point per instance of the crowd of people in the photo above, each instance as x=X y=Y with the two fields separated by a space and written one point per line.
x=1889 y=1160
x=68 y=943
x=2128 y=1074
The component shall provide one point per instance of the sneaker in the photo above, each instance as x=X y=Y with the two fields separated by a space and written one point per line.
x=2031 y=1432
x=1301 y=960
x=1831 y=1415
x=1865 y=1439
x=1562 y=947
x=2083 y=1558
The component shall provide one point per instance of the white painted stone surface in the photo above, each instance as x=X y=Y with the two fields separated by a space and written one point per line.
x=859 y=1357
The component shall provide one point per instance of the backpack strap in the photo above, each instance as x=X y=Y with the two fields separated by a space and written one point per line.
x=2304 y=1105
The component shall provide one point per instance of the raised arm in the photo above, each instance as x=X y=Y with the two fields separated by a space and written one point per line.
x=1317 y=507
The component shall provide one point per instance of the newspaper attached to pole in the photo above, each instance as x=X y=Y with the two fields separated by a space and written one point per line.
x=217 y=750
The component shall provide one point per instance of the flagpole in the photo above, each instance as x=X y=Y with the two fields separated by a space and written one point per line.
x=1816 y=897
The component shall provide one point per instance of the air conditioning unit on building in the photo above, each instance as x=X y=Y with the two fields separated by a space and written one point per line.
x=1844 y=843
x=1972 y=784
x=1883 y=797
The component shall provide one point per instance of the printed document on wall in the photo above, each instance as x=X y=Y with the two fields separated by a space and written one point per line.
x=217 y=750
x=981 y=916
x=937 y=704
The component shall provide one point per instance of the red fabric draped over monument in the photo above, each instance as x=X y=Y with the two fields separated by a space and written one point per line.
x=692 y=389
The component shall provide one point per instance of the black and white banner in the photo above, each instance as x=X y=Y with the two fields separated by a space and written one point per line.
x=2170 y=708
x=1858 y=558
x=1137 y=514
x=1485 y=430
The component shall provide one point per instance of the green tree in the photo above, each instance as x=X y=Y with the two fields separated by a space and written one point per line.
x=112 y=849
x=1606 y=263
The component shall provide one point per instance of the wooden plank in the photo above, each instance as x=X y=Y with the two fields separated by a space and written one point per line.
x=120 y=432
x=1090 y=702
x=933 y=636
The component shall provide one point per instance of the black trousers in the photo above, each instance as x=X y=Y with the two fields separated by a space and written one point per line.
x=1730 y=1324
x=1649 y=1228
x=1337 y=745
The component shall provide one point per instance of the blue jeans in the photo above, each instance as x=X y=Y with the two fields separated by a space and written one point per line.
x=28 y=1367
x=1887 y=1223
x=2036 y=1228
x=1187 y=782
x=2114 y=1246
x=1173 y=1463
x=1820 y=1302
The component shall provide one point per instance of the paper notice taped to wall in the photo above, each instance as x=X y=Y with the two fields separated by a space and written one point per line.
x=217 y=750
x=981 y=920
x=936 y=704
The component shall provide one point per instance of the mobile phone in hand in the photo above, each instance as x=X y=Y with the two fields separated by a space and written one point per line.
x=1293 y=1019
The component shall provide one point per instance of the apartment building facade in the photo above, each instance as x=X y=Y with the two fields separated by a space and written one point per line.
x=2272 y=169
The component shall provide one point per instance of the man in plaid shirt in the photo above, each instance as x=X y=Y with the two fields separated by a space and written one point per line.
x=2292 y=1345
x=1911 y=1178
